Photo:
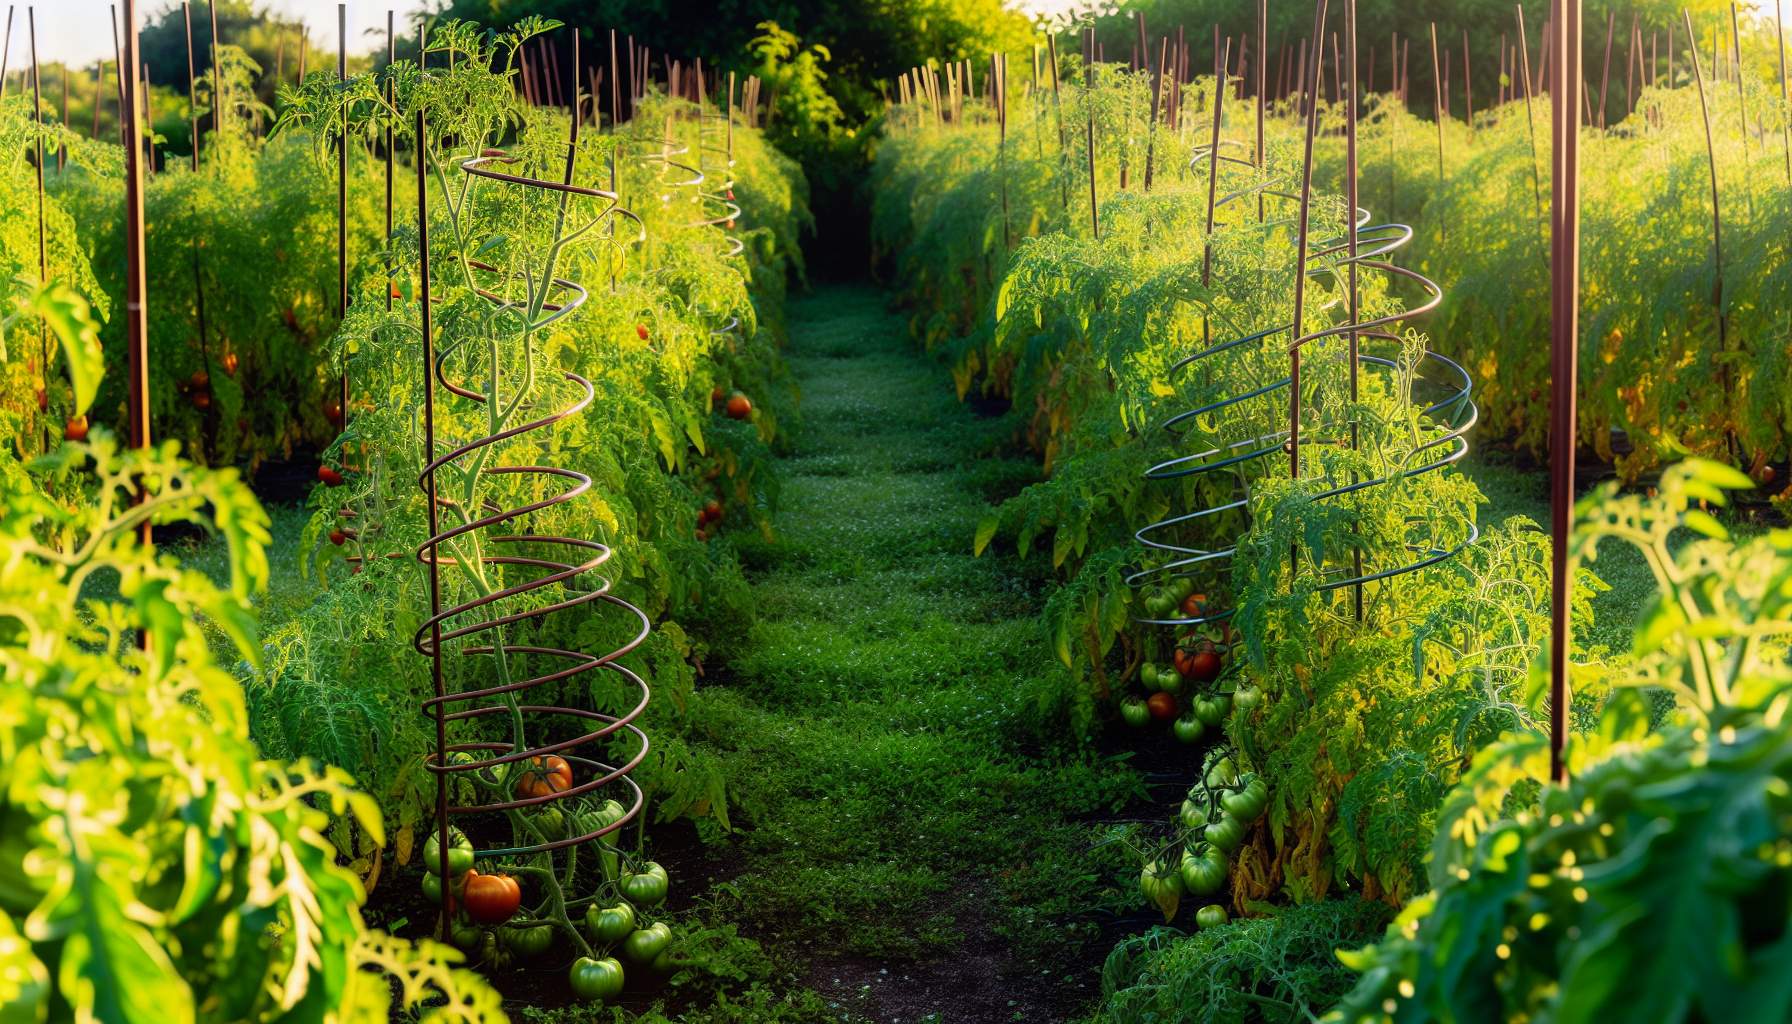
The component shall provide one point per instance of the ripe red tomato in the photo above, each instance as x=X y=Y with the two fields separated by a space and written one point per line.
x=731 y=195
x=1204 y=666
x=491 y=899
x=229 y=362
x=712 y=512
x=329 y=476
x=337 y=537
x=641 y=331
x=200 y=379
x=739 y=407
x=545 y=778
x=75 y=429
x=332 y=410
x=202 y=400
x=1194 y=605
x=1163 y=706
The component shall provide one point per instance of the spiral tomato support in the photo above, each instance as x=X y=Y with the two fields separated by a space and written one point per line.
x=1367 y=249
x=561 y=574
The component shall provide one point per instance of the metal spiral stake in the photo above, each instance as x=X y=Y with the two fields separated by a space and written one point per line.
x=558 y=573
x=682 y=168
x=1365 y=249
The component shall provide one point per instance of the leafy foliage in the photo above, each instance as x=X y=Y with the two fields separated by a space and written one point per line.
x=1655 y=881
x=155 y=867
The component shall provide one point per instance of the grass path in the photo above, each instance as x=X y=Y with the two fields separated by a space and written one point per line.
x=917 y=833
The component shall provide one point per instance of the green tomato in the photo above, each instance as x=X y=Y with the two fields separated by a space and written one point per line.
x=466 y=935
x=1188 y=729
x=432 y=889
x=460 y=853
x=1156 y=605
x=1149 y=678
x=1226 y=834
x=1159 y=883
x=1212 y=710
x=1247 y=697
x=1134 y=712
x=1193 y=813
x=551 y=822
x=644 y=944
x=595 y=980
x=1169 y=681
x=1222 y=774
x=1203 y=870
x=608 y=813
x=610 y=924
x=646 y=888
x=527 y=941
x=1181 y=587
x=1248 y=803
x=1211 y=916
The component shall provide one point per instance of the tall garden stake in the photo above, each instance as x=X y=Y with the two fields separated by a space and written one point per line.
x=136 y=288
x=1564 y=239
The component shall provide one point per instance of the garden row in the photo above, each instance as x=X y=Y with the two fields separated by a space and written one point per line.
x=1348 y=656
x=606 y=392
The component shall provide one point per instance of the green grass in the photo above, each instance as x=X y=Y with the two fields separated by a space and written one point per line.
x=892 y=725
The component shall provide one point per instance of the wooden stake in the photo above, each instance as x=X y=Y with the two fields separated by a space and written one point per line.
x=1565 y=101
x=136 y=284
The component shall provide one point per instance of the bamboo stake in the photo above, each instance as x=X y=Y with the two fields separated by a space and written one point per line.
x=1468 y=85
x=341 y=201
x=43 y=263
x=1089 y=84
x=1353 y=304
x=1717 y=233
x=1779 y=37
x=1295 y=336
x=186 y=13
x=1051 y=43
x=136 y=285
x=1437 y=97
x=1524 y=64
x=1564 y=345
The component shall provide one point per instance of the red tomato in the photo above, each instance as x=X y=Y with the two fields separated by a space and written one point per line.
x=544 y=779
x=713 y=511
x=1203 y=666
x=337 y=537
x=200 y=379
x=332 y=410
x=491 y=899
x=329 y=476
x=229 y=362
x=739 y=407
x=641 y=331
x=75 y=429
x=1194 y=605
x=202 y=400
x=1163 y=706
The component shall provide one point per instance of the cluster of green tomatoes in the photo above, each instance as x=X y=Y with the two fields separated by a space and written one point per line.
x=1212 y=822
x=485 y=907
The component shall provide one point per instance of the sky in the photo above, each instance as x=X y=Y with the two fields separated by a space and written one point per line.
x=78 y=31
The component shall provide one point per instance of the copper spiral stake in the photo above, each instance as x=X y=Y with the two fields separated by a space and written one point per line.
x=533 y=575
x=1364 y=249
